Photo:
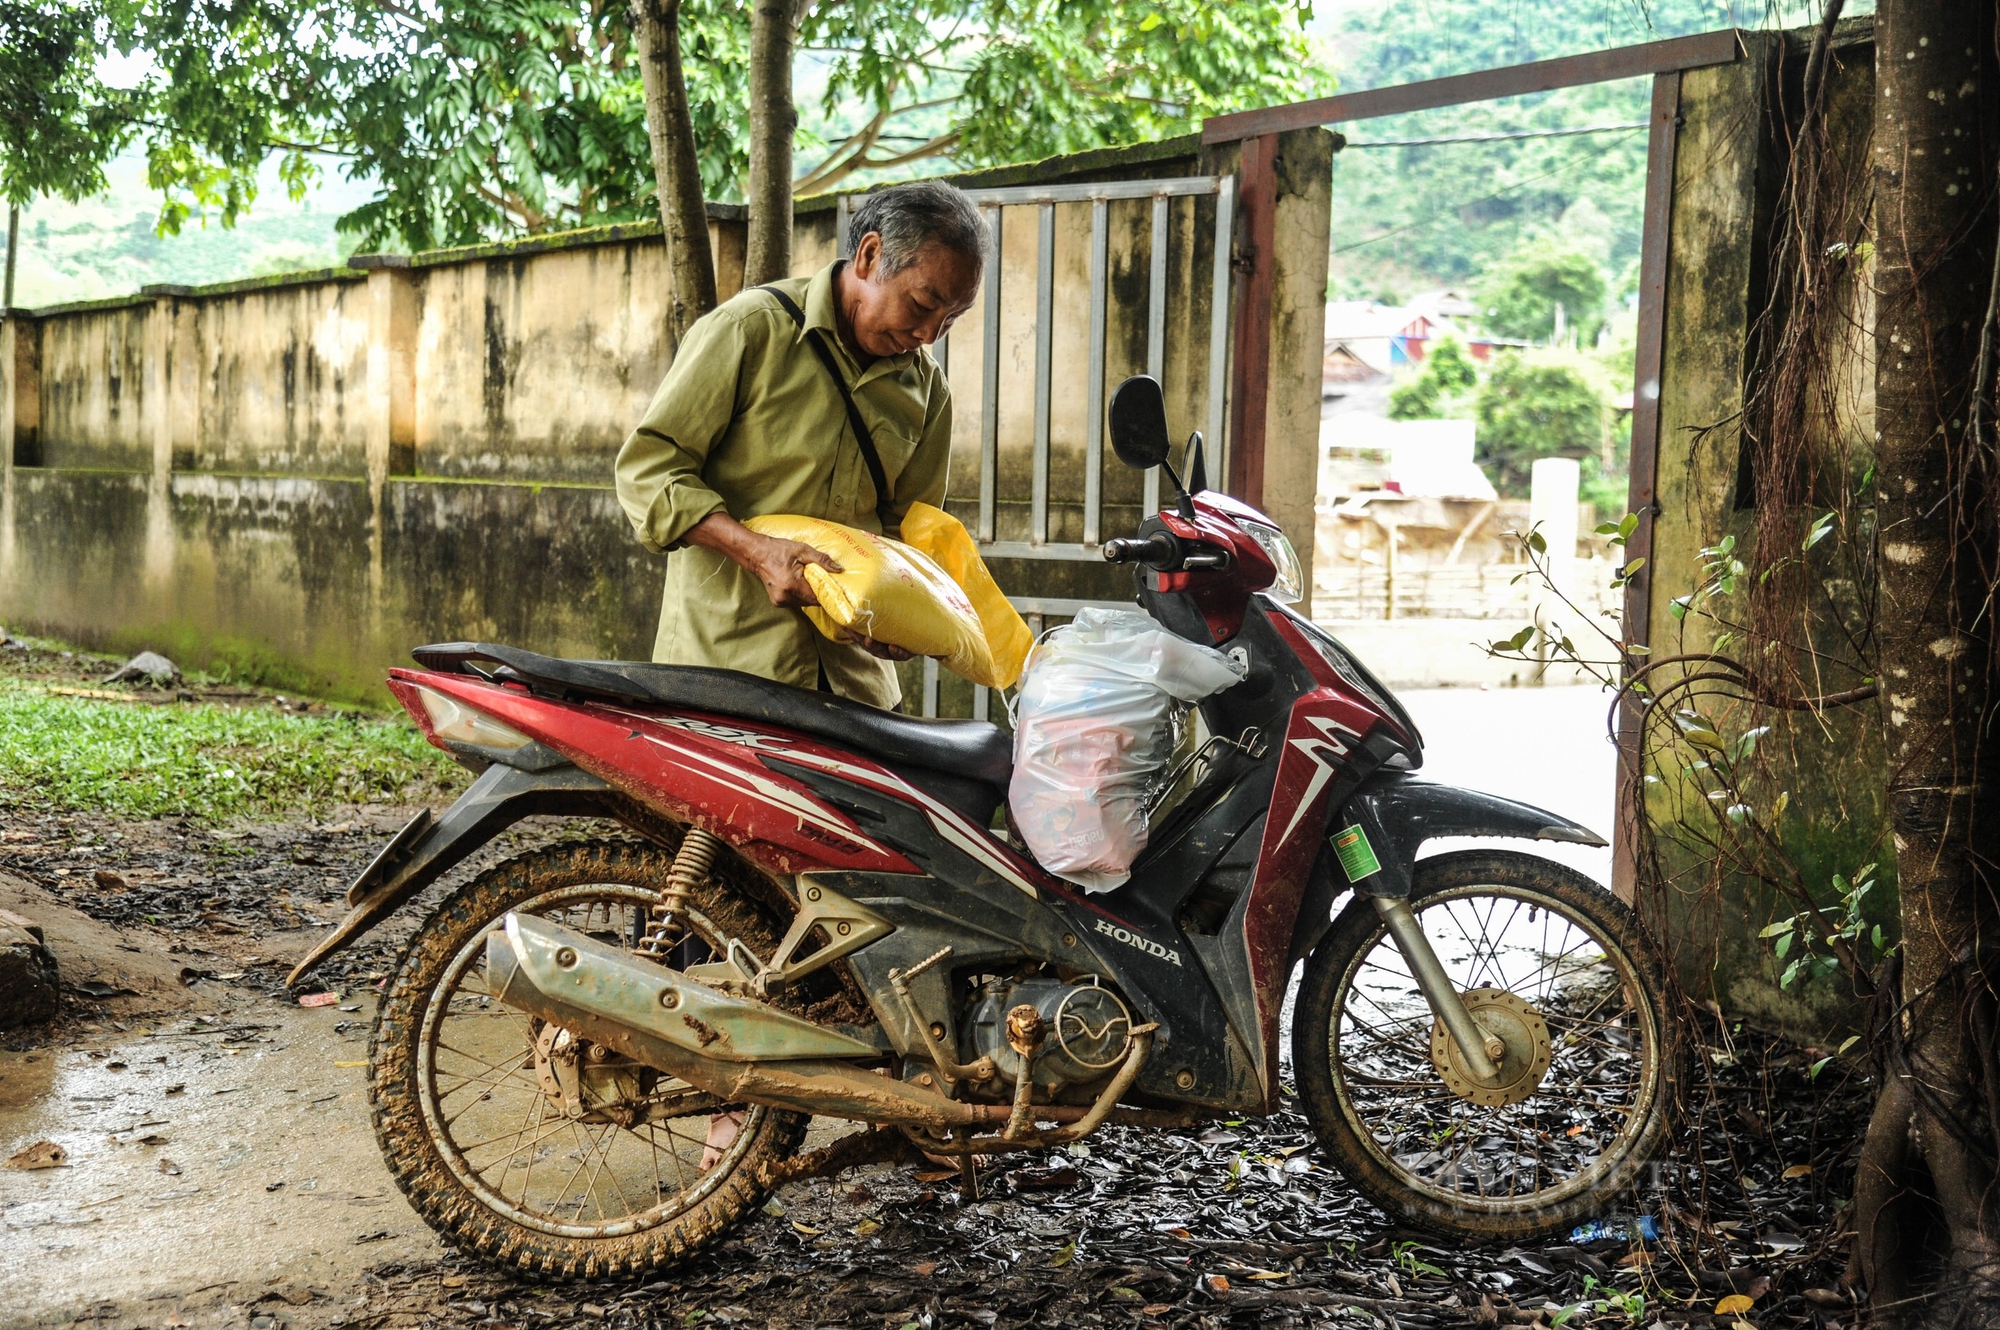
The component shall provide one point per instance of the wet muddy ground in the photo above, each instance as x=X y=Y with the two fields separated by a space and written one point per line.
x=221 y=1169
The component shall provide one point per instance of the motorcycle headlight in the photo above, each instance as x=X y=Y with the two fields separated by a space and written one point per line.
x=1290 y=584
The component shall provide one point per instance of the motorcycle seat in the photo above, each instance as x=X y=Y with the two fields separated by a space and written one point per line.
x=961 y=752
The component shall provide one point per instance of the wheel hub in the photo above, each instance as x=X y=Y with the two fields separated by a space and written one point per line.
x=1522 y=1066
x=586 y=1081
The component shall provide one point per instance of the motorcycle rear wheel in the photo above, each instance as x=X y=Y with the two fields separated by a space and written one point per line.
x=463 y=1108
x=1526 y=940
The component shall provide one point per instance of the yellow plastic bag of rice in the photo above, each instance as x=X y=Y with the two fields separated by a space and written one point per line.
x=937 y=533
x=888 y=591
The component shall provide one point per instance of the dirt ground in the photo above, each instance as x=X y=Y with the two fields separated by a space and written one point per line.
x=221 y=1168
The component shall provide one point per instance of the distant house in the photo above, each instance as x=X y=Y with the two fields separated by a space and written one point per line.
x=1387 y=338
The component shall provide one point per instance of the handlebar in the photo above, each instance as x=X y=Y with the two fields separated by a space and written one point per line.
x=1162 y=551
x=1159 y=550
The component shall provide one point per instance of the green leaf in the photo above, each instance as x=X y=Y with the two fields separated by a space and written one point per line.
x=1818 y=1067
x=1784 y=945
x=1537 y=542
x=1782 y=926
x=1819 y=531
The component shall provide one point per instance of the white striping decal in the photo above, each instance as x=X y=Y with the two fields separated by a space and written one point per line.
x=946 y=821
x=1326 y=752
x=770 y=792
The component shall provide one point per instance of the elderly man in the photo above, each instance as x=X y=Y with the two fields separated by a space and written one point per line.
x=762 y=413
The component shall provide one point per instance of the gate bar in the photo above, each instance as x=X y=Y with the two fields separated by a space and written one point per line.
x=1045 y=320
x=1671 y=56
x=1093 y=395
x=1661 y=151
x=989 y=387
x=1156 y=329
x=1218 y=328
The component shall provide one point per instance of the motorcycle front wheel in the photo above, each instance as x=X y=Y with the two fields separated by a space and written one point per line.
x=1559 y=969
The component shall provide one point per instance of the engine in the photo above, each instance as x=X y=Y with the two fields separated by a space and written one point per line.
x=1074 y=1033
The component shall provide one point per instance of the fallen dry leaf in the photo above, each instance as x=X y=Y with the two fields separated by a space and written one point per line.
x=807 y=1229
x=1824 y=1297
x=867 y=1227
x=1735 y=1302
x=1217 y=1284
x=1798 y=1171
x=924 y=1269
x=1156 y=1309
x=42 y=1154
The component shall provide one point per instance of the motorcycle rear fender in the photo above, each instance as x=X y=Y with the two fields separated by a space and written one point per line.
x=424 y=849
x=1397 y=813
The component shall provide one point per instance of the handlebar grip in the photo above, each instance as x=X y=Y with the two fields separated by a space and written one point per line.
x=1156 y=549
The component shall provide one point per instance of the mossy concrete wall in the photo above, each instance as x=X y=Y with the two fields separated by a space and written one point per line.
x=301 y=477
x=1829 y=767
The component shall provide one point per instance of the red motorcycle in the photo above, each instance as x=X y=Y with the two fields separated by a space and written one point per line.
x=596 y=1057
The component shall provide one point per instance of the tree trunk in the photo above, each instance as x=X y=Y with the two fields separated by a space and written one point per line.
x=677 y=175
x=774 y=118
x=1935 y=227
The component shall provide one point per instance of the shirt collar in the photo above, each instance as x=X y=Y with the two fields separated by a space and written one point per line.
x=820 y=314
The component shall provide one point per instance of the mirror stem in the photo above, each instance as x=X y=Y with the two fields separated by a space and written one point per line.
x=1185 y=504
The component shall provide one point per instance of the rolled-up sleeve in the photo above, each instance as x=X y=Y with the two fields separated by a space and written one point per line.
x=659 y=467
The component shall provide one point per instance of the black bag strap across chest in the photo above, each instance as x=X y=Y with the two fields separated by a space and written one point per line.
x=885 y=502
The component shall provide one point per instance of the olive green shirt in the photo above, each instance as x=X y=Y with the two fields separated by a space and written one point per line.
x=748 y=422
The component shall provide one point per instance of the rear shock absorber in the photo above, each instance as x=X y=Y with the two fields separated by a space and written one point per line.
x=691 y=864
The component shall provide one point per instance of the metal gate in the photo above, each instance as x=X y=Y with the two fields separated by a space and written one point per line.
x=1090 y=310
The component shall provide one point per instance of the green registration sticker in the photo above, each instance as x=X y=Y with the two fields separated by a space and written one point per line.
x=1357 y=857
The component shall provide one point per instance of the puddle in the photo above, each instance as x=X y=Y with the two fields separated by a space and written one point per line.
x=210 y=1160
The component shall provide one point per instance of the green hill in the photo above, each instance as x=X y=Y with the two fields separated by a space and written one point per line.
x=1407 y=217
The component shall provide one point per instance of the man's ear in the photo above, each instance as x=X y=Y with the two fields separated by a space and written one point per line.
x=867 y=253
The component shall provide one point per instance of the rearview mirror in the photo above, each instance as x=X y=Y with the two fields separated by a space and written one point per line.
x=1139 y=422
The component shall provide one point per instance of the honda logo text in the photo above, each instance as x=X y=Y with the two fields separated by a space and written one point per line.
x=1131 y=939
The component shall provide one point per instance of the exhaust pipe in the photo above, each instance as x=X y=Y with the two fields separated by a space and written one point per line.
x=737 y=1049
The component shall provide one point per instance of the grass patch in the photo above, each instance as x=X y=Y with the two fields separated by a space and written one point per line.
x=203 y=760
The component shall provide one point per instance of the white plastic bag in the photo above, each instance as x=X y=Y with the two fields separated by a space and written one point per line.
x=1092 y=728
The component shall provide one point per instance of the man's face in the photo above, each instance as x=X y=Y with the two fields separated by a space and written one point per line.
x=889 y=314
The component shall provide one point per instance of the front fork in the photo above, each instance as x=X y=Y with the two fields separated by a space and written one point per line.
x=1479 y=1048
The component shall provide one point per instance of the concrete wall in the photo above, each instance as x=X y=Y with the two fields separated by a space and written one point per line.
x=301 y=477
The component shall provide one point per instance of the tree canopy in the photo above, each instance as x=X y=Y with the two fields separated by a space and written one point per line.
x=1534 y=407
x=1543 y=281
x=59 y=123
x=480 y=120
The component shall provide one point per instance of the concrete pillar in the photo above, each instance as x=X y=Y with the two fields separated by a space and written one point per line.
x=157 y=404
x=1284 y=206
x=392 y=366
x=20 y=389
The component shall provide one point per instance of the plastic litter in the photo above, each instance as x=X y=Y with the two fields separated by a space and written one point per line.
x=1644 y=1228
x=1093 y=729
x=888 y=591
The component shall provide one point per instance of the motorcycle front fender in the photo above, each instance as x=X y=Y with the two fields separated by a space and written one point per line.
x=1395 y=813
x=426 y=849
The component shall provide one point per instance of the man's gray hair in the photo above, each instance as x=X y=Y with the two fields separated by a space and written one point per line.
x=910 y=216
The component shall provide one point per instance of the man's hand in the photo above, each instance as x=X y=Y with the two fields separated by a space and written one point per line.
x=779 y=564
